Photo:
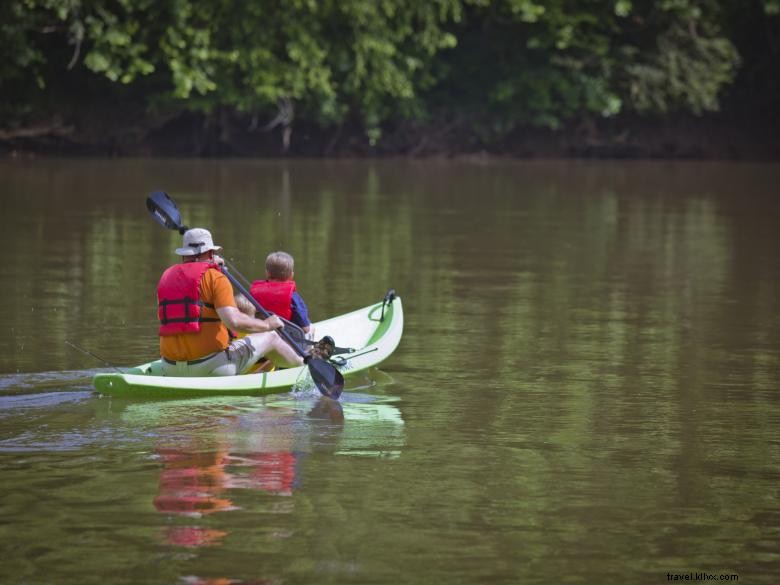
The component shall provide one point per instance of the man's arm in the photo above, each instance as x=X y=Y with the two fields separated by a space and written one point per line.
x=238 y=321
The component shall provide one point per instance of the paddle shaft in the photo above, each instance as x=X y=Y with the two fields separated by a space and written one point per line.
x=234 y=270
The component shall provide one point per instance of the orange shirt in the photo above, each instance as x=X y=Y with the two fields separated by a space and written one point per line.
x=215 y=288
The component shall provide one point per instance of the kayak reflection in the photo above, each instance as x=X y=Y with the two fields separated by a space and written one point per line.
x=210 y=450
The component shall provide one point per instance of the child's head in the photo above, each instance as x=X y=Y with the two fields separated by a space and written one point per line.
x=279 y=266
x=244 y=305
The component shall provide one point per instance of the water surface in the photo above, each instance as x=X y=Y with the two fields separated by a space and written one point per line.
x=586 y=390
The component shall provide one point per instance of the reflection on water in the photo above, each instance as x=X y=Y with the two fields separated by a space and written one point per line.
x=191 y=483
x=231 y=446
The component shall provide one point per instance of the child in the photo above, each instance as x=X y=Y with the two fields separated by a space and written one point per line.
x=277 y=293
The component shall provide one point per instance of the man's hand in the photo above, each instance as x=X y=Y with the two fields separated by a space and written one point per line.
x=274 y=322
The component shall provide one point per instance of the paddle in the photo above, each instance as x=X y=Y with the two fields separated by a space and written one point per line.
x=327 y=378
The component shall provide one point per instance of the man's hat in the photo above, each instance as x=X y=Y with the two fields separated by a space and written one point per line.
x=197 y=241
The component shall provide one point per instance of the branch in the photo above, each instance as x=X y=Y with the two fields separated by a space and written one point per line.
x=76 y=53
x=284 y=116
x=55 y=129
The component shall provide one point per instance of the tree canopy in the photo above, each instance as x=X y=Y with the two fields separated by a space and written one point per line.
x=491 y=65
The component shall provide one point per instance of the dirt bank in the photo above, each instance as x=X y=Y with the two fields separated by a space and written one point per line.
x=105 y=132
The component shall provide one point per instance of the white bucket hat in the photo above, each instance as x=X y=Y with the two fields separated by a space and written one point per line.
x=197 y=241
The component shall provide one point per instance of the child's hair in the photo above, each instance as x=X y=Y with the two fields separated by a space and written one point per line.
x=244 y=305
x=279 y=265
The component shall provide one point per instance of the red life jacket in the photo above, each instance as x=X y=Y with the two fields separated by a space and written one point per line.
x=275 y=296
x=178 y=298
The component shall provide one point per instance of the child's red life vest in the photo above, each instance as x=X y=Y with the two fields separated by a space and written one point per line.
x=275 y=296
x=179 y=306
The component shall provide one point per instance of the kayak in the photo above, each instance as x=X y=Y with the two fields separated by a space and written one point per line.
x=369 y=335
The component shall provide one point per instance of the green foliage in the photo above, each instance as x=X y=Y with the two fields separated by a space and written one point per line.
x=117 y=50
x=687 y=72
x=541 y=64
x=497 y=64
x=525 y=63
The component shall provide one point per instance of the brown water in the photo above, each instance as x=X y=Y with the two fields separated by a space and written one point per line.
x=587 y=391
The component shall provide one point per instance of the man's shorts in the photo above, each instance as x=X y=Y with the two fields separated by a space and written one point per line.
x=240 y=355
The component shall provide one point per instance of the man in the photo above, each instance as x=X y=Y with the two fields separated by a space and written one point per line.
x=195 y=306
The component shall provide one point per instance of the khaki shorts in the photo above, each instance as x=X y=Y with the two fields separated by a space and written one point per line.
x=240 y=355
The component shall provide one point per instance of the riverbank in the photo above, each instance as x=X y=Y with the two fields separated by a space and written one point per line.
x=226 y=134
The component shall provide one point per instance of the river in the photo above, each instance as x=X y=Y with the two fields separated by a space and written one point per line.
x=587 y=390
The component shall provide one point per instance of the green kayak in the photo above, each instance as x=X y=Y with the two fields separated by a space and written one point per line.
x=371 y=333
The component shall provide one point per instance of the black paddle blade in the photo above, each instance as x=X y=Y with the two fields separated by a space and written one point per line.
x=328 y=379
x=164 y=211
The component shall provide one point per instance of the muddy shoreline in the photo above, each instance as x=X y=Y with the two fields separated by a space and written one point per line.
x=221 y=135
